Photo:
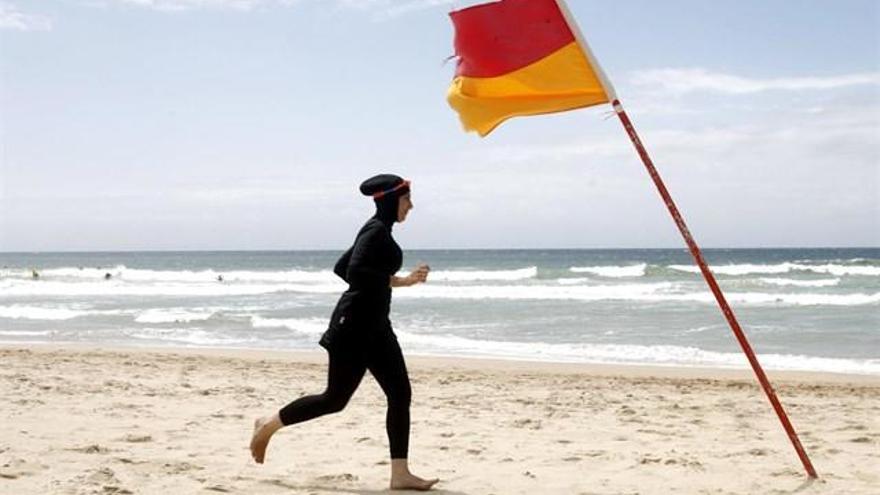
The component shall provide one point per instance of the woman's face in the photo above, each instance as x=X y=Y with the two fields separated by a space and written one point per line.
x=404 y=204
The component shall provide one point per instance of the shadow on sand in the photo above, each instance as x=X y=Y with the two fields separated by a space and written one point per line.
x=359 y=491
x=807 y=483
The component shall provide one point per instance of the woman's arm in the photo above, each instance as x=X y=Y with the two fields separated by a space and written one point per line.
x=417 y=276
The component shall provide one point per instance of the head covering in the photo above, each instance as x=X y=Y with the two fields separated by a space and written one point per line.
x=386 y=190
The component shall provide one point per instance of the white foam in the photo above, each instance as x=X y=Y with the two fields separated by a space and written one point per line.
x=39 y=313
x=191 y=336
x=518 y=292
x=572 y=281
x=479 y=275
x=308 y=326
x=704 y=328
x=613 y=271
x=656 y=292
x=650 y=292
x=625 y=354
x=804 y=299
x=14 y=287
x=209 y=275
x=801 y=283
x=748 y=269
x=173 y=315
x=24 y=333
x=841 y=270
x=741 y=269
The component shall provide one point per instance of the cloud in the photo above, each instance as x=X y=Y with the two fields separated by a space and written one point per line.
x=399 y=8
x=382 y=8
x=13 y=19
x=185 y=5
x=680 y=81
x=814 y=135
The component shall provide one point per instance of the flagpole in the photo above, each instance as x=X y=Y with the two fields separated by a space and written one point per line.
x=716 y=290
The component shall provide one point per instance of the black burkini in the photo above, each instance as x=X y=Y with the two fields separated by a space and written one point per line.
x=359 y=337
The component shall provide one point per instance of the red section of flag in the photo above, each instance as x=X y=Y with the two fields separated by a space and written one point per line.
x=493 y=39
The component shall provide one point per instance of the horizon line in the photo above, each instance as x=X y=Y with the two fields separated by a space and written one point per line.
x=683 y=248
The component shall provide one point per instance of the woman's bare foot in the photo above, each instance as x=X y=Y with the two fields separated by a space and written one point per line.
x=402 y=479
x=264 y=428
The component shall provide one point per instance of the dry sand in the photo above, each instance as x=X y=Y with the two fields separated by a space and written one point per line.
x=114 y=421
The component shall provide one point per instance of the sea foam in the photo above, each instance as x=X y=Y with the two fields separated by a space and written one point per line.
x=749 y=269
x=482 y=275
x=613 y=271
x=667 y=355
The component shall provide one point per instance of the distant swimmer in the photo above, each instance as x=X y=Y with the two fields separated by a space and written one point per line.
x=219 y=278
x=107 y=276
x=34 y=274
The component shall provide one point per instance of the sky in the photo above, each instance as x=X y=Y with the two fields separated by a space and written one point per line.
x=249 y=124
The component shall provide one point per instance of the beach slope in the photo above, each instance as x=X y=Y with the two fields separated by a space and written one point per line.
x=115 y=421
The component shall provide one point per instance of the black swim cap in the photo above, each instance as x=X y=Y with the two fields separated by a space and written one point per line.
x=382 y=185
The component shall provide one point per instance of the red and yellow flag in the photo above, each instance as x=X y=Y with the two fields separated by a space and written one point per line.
x=520 y=57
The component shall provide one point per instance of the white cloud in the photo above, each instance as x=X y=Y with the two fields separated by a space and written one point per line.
x=399 y=8
x=382 y=8
x=814 y=136
x=183 y=5
x=679 y=81
x=13 y=19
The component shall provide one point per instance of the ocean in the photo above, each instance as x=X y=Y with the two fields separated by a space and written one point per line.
x=802 y=309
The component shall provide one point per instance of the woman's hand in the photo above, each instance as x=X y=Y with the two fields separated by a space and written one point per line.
x=417 y=276
x=420 y=274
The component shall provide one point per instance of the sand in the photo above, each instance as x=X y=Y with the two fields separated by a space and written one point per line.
x=116 y=421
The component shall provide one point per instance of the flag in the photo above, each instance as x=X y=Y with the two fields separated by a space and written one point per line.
x=520 y=57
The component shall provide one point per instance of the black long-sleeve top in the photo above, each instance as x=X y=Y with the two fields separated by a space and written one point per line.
x=362 y=311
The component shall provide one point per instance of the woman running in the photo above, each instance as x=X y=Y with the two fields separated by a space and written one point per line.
x=359 y=336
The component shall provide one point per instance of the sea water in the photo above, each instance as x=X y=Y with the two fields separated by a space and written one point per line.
x=802 y=309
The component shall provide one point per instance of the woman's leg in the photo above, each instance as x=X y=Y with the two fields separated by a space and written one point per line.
x=386 y=364
x=343 y=377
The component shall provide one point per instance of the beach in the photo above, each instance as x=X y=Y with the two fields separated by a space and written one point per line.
x=112 y=420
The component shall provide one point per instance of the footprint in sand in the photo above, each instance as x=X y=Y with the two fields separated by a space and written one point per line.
x=17 y=468
x=90 y=449
x=532 y=424
x=102 y=480
x=855 y=427
x=132 y=438
x=180 y=467
x=336 y=478
x=789 y=472
x=626 y=411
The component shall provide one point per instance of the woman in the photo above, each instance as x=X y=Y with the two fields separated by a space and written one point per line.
x=360 y=338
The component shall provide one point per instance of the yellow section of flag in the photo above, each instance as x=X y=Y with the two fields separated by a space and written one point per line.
x=564 y=80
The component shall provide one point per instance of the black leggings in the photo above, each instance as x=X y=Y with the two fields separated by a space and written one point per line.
x=346 y=371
